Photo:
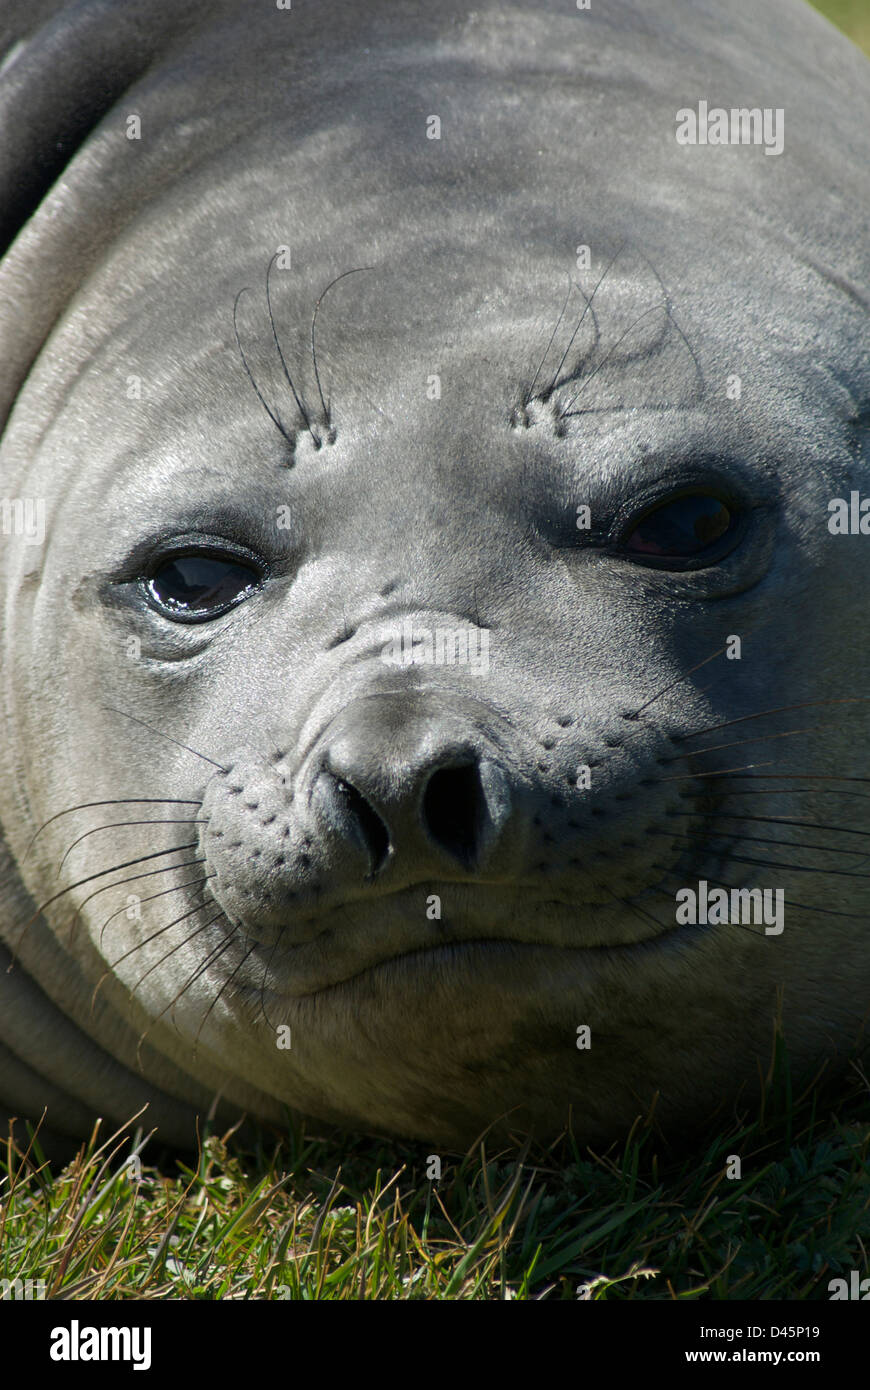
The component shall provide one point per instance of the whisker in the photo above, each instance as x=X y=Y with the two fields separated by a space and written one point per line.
x=787 y=902
x=114 y=801
x=224 y=986
x=120 y=824
x=741 y=743
x=778 y=709
x=164 y=892
x=134 y=878
x=636 y=908
x=656 y=308
x=171 y=952
x=720 y=793
x=719 y=772
x=210 y=960
x=700 y=384
x=742 y=839
x=796 y=776
x=718 y=884
x=588 y=309
x=140 y=945
x=129 y=864
x=146 y=940
x=342 y=276
x=161 y=734
x=796 y=868
x=296 y=396
x=531 y=391
x=260 y=397
x=781 y=820
x=267 y=967
x=691 y=671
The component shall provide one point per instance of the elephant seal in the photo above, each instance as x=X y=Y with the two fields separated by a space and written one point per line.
x=398 y=666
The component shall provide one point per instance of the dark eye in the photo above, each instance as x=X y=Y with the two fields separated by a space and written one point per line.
x=683 y=529
x=193 y=588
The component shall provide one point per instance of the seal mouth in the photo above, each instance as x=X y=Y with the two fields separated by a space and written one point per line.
x=466 y=954
x=354 y=939
x=445 y=953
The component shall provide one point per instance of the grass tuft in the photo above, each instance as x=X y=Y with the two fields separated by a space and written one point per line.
x=303 y=1216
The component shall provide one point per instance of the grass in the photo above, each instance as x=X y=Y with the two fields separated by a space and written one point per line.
x=852 y=16
x=348 y=1217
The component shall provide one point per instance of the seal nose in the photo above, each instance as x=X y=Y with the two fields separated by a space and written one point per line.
x=352 y=815
x=413 y=791
x=454 y=810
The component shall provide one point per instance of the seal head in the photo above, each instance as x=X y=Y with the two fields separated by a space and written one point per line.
x=406 y=650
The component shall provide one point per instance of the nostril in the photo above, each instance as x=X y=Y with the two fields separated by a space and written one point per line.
x=374 y=833
x=453 y=808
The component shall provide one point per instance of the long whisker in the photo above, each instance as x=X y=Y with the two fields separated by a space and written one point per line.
x=700 y=384
x=741 y=743
x=120 y=824
x=210 y=960
x=160 y=733
x=140 y=945
x=656 y=308
x=134 y=878
x=795 y=868
x=721 y=792
x=784 y=820
x=164 y=892
x=171 y=952
x=720 y=772
x=588 y=309
x=128 y=864
x=276 y=421
x=296 y=396
x=742 y=839
x=267 y=967
x=531 y=391
x=742 y=926
x=342 y=276
x=787 y=902
x=227 y=982
x=146 y=941
x=635 y=714
x=636 y=908
x=778 y=709
x=114 y=801
x=783 y=776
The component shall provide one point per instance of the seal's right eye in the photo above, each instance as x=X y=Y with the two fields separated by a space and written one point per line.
x=195 y=587
x=691 y=530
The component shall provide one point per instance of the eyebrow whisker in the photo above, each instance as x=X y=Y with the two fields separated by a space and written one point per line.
x=296 y=396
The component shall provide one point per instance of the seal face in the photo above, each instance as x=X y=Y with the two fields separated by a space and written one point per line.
x=433 y=699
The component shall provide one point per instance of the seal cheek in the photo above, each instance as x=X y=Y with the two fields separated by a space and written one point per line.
x=253 y=851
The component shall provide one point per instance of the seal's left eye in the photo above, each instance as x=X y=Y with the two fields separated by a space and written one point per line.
x=684 y=529
x=193 y=588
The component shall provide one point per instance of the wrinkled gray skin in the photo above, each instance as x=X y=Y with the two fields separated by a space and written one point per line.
x=339 y=793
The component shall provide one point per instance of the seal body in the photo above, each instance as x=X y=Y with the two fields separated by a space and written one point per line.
x=393 y=653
